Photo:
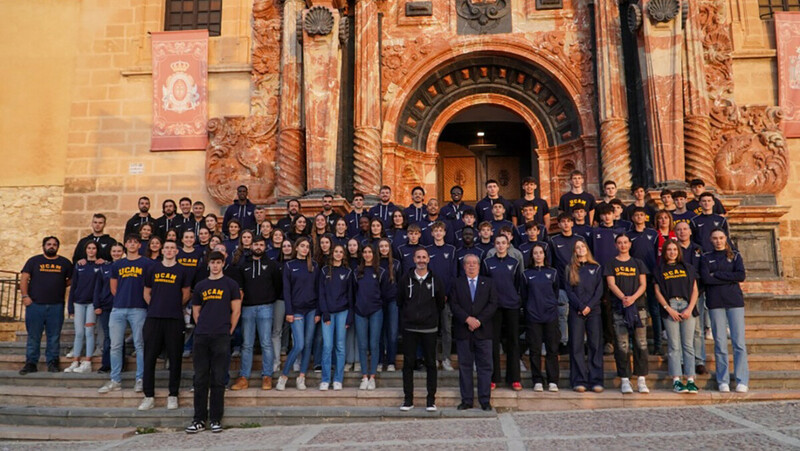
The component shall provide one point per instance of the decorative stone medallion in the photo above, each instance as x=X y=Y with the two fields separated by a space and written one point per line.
x=318 y=21
x=483 y=17
x=663 y=10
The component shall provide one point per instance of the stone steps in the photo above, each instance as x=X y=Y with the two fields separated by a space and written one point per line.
x=89 y=433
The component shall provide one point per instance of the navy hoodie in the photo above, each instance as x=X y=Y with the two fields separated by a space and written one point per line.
x=415 y=214
x=371 y=290
x=527 y=247
x=399 y=237
x=562 y=252
x=384 y=213
x=506 y=278
x=540 y=294
x=405 y=255
x=644 y=246
x=352 y=219
x=81 y=289
x=603 y=243
x=721 y=278
x=336 y=292
x=300 y=287
x=442 y=263
x=703 y=225
x=245 y=214
x=102 y=297
x=484 y=208
x=588 y=291
x=427 y=231
x=397 y=275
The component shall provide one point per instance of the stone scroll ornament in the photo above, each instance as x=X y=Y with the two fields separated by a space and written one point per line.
x=483 y=16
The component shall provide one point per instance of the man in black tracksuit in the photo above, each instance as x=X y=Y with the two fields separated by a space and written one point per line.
x=420 y=297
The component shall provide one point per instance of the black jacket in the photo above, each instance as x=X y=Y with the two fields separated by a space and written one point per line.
x=104 y=244
x=261 y=280
x=132 y=226
x=420 y=302
x=483 y=308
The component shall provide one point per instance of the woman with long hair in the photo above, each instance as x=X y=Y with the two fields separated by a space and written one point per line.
x=103 y=300
x=81 y=294
x=145 y=233
x=391 y=318
x=203 y=237
x=212 y=222
x=298 y=229
x=676 y=291
x=353 y=253
x=397 y=232
x=320 y=227
x=666 y=232
x=189 y=255
x=172 y=235
x=722 y=271
x=154 y=248
x=265 y=228
x=584 y=288
x=376 y=232
x=280 y=328
x=353 y=258
x=232 y=241
x=540 y=301
x=243 y=250
x=336 y=307
x=300 y=285
x=322 y=249
x=340 y=232
x=274 y=243
x=371 y=294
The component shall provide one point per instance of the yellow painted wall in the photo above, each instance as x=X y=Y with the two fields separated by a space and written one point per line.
x=38 y=62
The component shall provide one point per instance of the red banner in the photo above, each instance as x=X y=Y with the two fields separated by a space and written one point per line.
x=180 y=93
x=787 y=37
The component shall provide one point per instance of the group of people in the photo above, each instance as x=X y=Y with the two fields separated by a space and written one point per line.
x=190 y=283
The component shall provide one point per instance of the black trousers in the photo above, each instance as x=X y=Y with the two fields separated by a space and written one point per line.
x=607 y=316
x=162 y=334
x=211 y=356
x=478 y=352
x=506 y=324
x=585 y=370
x=410 y=342
x=551 y=336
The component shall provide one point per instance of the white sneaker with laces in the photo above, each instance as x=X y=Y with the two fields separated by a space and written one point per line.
x=323 y=386
x=301 y=383
x=357 y=367
x=72 y=367
x=276 y=367
x=147 y=403
x=709 y=335
x=724 y=388
x=741 y=388
x=431 y=408
x=296 y=366
x=364 y=383
x=138 y=387
x=172 y=402
x=446 y=365
x=551 y=387
x=642 y=385
x=70 y=354
x=348 y=367
x=538 y=387
x=85 y=367
x=281 y=385
x=337 y=386
x=391 y=368
x=371 y=384
x=625 y=386
x=109 y=387
x=380 y=368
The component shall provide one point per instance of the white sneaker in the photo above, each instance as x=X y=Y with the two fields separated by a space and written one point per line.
x=709 y=335
x=97 y=352
x=522 y=366
x=364 y=383
x=147 y=403
x=301 y=382
x=276 y=367
x=138 y=387
x=551 y=387
x=348 y=367
x=281 y=385
x=337 y=386
x=431 y=408
x=406 y=407
x=172 y=402
x=380 y=368
x=109 y=387
x=625 y=386
x=70 y=355
x=724 y=388
x=741 y=388
x=323 y=386
x=371 y=384
x=357 y=367
x=391 y=368
x=538 y=387
x=446 y=365
x=544 y=350
x=72 y=367
x=85 y=367
x=296 y=366
x=642 y=385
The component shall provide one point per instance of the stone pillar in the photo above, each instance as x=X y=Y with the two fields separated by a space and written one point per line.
x=696 y=125
x=660 y=58
x=322 y=70
x=367 y=141
x=615 y=153
x=291 y=159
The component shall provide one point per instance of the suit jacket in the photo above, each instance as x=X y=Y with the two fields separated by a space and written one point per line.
x=483 y=308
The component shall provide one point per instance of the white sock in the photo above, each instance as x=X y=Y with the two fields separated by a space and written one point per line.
x=676 y=379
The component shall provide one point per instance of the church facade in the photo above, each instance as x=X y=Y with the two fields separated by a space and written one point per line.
x=341 y=96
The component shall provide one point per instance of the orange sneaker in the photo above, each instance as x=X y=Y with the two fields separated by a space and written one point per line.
x=516 y=386
x=240 y=384
x=266 y=383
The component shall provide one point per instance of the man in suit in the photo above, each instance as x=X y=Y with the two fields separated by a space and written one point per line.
x=473 y=302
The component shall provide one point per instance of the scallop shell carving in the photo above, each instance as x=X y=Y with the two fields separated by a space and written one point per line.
x=318 y=21
x=663 y=10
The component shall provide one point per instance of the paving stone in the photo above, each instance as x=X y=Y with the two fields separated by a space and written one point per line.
x=739 y=441
x=772 y=415
x=410 y=431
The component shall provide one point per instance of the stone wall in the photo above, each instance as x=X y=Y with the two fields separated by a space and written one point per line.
x=31 y=212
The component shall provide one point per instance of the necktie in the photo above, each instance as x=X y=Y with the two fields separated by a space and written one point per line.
x=472 y=289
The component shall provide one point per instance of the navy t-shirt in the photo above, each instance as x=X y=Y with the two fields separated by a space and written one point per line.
x=190 y=259
x=569 y=200
x=214 y=297
x=166 y=284
x=626 y=277
x=130 y=275
x=48 y=278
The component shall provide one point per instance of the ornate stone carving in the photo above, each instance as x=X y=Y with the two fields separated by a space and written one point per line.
x=367 y=160
x=240 y=151
x=484 y=16
x=367 y=115
x=634 y=17
x=291 y=157
x=291 y=162
x=266 y=58
x=752 y=157
x=344 y=30
x=718 y=48
x=663 y=10
x=318 y=21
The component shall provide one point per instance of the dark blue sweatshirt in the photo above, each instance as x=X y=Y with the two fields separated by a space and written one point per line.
x=522 y=234
x=562 y=252
x=427 y=231
x=442 y=263
x=245 y=214
x=102 y=297
x=397 y=275
x=721 y=278
x=399 y=237
x=414 y=214
x=603 y=243
x=485 y=247
x=459 y=236
x=484 y=208
x=540 y=293
x=384 y=213
x=336 y=292
x=300 y=287
x=584 y=230
x=644 y=246
x=506 y=278
x=702 y=226
x=84 y=278
x=352 y=219
x=527 y=246
x=588 y=291
x=371 y=291
x=692 y=256
x=405 y=255
x=454 y=212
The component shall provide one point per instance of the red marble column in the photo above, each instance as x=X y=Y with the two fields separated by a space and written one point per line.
x=615 y=154
x=290 y=158
x=367 y=141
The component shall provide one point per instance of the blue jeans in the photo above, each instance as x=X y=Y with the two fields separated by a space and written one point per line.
x=389 y=335
x=103 y=320
x=699 y=331
x=722 y=318
x=350 y=346
x=47 y=318
x=334 y=336
x=257 y=318
x=368 y=335
x=302 y=338
x=680 y=341
x=84 y=316
x=116 y=328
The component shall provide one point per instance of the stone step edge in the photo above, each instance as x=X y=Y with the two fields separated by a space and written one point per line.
x=30 y=433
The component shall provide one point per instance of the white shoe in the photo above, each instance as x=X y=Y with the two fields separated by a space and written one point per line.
x=323 y=386
x=551 y=387
x=97 y=352
x=364 y=383
x=380 y=368
x=109 y=387
x=390 y=368
x=446 y=365
x=172 y=402
x=431 y=408
x=724 y=388
x=538 y=387
x=301 y=383
x=70 y=355
x=72 y=367
x=406 y=408
x=337 y=386
x=544 y=350
x=296 y=366
x=86 y=367
x=357 y=367
x=147 y=403
x=741 y=388
x=138 y=387
x=625 y=386
x=276 y=367
x=371 y=384
x=642 y=385
x=281 y=385
x=522 y=366
x=709 y=335
x=236 y=352
x=348 y=367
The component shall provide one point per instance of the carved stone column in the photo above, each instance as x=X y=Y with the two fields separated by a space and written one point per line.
x=291 y=159
x=660 y=51
x=367 y=141
x=615 y=153
x=322 y=70
x=696 y=125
